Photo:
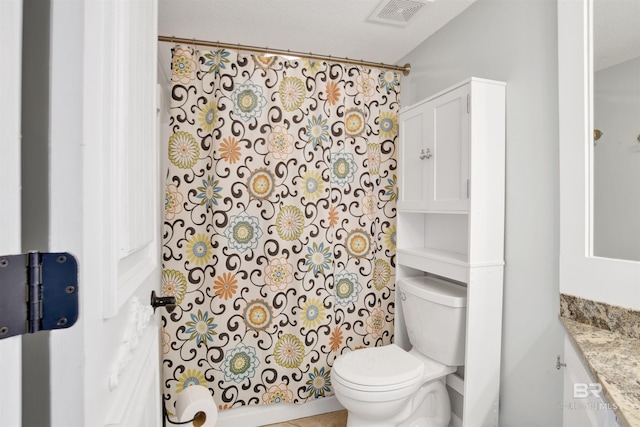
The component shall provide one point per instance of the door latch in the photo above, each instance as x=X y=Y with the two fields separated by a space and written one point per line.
x=38 y=292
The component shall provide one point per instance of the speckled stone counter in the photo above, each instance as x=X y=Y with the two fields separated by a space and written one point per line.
x=608 y=338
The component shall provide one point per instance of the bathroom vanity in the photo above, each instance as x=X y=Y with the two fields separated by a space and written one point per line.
x=601 y=362
x=451 y=187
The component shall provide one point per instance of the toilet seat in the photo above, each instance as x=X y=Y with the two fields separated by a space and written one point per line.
x=378 y=369
x=386 y=368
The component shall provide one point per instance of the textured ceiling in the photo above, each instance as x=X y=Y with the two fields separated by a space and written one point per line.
x=616 y=29
x=325 y=27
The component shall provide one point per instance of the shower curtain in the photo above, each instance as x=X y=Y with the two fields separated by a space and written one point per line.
x=280 y=223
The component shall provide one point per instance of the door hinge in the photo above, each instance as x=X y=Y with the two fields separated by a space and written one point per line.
x=468 y=103
x=38 y=292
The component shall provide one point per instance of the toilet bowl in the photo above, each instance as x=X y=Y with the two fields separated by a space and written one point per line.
x=389 y=387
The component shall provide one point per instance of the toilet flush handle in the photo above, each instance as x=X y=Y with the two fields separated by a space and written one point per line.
x=403 y=296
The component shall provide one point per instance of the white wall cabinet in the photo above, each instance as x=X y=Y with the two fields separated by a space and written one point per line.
x=435 y=141
x=451 y=223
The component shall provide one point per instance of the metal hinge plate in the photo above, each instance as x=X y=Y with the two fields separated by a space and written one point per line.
x=38 y=292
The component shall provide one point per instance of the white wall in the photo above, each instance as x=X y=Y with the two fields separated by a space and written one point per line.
x=11 y=12
x=616 y=222
x=515 y=41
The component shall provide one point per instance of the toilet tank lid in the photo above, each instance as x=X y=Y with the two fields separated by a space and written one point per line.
x=435 y=290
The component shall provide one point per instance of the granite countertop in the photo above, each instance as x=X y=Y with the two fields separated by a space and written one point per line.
x=607 y=339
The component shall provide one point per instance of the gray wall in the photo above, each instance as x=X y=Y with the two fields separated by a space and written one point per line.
x=515 y=41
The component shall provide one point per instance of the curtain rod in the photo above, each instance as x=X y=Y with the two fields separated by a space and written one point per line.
x=404 y=68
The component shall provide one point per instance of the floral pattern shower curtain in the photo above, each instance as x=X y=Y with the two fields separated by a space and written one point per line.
x=280 y=223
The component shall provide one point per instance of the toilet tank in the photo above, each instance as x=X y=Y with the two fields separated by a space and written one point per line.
x=435 y=315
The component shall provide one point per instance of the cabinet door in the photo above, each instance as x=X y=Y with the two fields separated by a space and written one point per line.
x=584 y=404
x=412 y=189
x=448 y=142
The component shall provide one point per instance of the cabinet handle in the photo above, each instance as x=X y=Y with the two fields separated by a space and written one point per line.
x=425 y=155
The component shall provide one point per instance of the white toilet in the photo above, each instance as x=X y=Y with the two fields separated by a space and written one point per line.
x=387 y=386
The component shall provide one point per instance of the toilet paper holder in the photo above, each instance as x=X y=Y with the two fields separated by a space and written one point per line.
x=197 y=420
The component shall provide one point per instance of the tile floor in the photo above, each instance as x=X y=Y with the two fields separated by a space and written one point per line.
x=332 y=419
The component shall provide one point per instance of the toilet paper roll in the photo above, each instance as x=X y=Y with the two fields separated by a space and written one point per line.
x=196 y=402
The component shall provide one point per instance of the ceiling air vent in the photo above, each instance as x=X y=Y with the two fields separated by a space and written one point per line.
x=397 y=12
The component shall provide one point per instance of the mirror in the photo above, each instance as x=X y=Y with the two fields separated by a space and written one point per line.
x=616 y=122
x=609 y=280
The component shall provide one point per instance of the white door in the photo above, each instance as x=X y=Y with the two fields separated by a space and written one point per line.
x=414 y=159
x=449 y=143
x=104 y=209
x=10 y=60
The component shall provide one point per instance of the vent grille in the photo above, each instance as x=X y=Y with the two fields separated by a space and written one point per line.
x=397 y=12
